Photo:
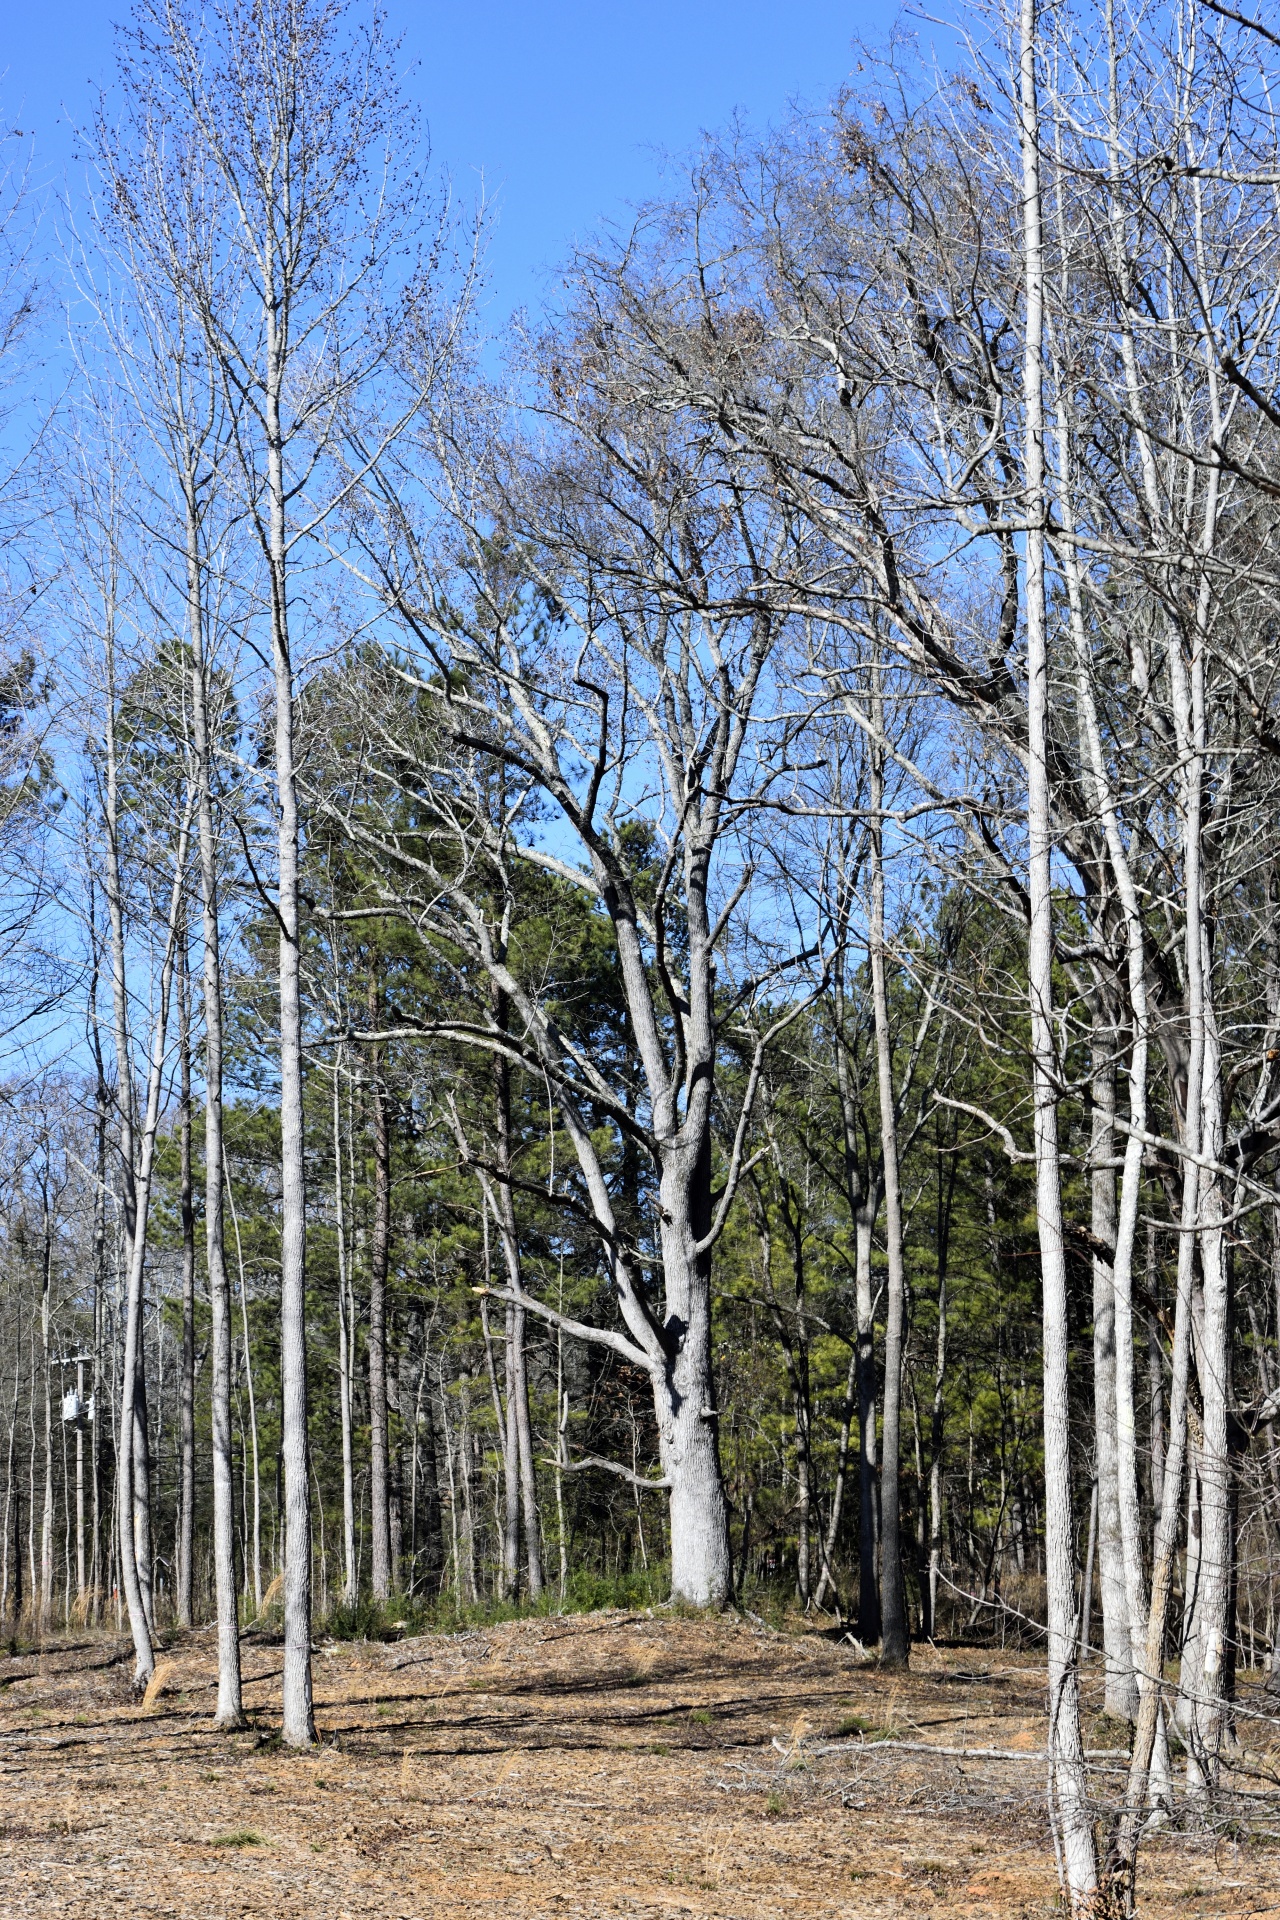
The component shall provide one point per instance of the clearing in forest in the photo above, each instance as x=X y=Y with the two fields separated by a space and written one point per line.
x=605 y=1764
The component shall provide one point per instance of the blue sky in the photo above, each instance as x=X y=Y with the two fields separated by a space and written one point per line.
x=563 y=105
x=564 y=108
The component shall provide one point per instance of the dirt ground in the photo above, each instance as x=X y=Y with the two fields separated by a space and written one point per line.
x=607 y=1764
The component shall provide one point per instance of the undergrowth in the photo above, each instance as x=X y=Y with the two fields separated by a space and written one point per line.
x=402 y=1616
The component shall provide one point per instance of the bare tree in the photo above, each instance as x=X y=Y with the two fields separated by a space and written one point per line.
x=575 y=659
x=293 y=115
x=155 y=237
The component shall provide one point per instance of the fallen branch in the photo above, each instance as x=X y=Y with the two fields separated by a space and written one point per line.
x=954 y=1753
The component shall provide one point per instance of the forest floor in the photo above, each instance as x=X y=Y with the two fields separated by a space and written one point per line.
x=586 y=1765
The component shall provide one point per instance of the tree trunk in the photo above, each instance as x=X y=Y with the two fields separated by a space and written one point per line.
x=832 y=1535
x=346 y=1354
x=1121 y=1694
x=81 y=1586
x=684 y=1384
x=379 y=1261
x=938 y=1415
x=1086 y=1588
x=1203 y=1705
x=187 y=1379
x=868 y=1480
x=129 y=1577
x=142 y=1473
x=428 y=1520
x=510 y=1465
x=520 y=1434
x=46 y=1304
x=99 y=1300
x=130 y=1438
x=229 y=1712
x=793 y=1338
x=518 y=1394
x=299 y=1728
x=1068 y=1807
x=1203 y=1713
x=895 y=1642
x=1124 y=1850
x=1155 y=1392
x=253 y=1546
x=504 y=1428
x=863 y=1200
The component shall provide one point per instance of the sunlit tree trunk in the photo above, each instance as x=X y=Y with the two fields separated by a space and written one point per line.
x=253 y=1554
x=346 y=1337
x=520 y=1462
x=1068 y=1798
x=1121 y=1690
x=187 y=1379
x=46 y=1307
x=379 y=1257
x=230 y=1708
x=894 y=1636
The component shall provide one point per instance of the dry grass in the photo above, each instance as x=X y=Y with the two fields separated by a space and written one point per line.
x=161 y=1676
x=612 y=1764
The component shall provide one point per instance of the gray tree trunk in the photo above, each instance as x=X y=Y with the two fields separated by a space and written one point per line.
x=229 y=1712
x=46 y=1305
x=868 y=1476
x=379 y=1261
x=1069 y=1808
x=688 y=1436
x=346 y=1354
x=1203 y=1712
x=510 y=1464
x=187 y=1378
x=895 y=1643
x=299 y=1719
x=135 y=1595
x=1117 y=1647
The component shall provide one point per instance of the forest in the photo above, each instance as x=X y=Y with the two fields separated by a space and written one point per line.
x=640 y=957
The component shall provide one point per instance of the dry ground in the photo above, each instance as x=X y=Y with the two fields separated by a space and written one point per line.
x=610 y=1764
